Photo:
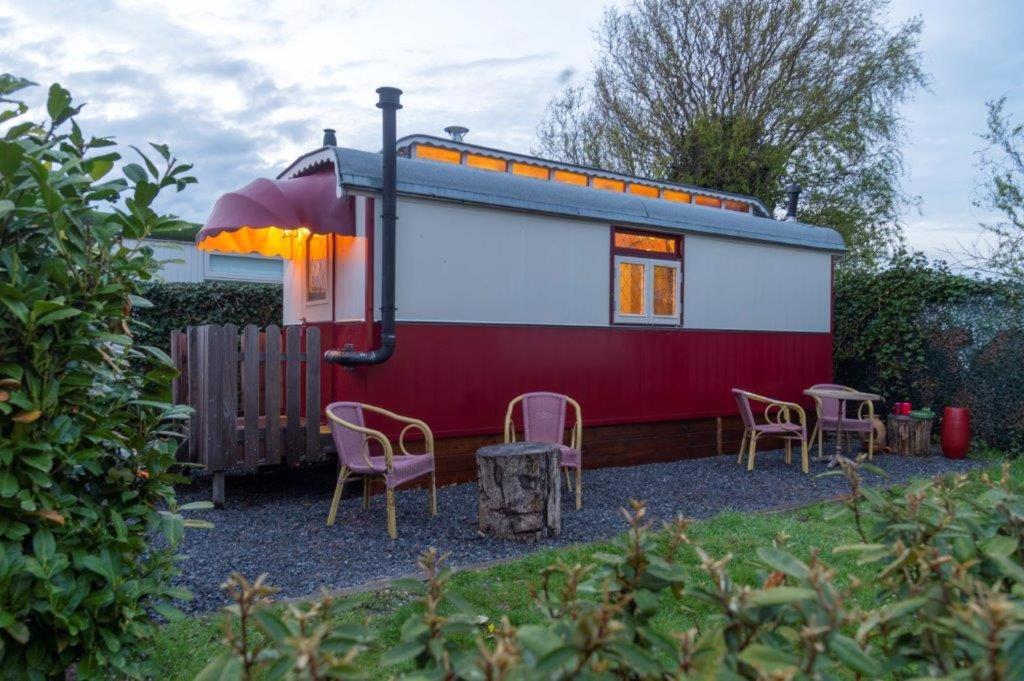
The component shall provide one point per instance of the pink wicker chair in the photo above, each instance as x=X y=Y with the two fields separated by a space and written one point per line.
x=544 y=421
x=779 y=423
x=352 y=439
x=828 y=418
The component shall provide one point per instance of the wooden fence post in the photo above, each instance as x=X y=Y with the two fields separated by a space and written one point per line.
x=194 y=421
x=272 y=395
x=293 y=393
x=229 y=395
x=211 y=366
x=312 y=392
x=251 y=393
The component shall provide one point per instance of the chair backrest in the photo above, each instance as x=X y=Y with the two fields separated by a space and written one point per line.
x=544 y=417
x=828 y=407
x=349 y=443
x=743 y=402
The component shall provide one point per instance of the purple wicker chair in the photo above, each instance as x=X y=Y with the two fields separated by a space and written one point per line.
x=352 y=439
x=828 y=418
x=778 y=423
x=544 y=421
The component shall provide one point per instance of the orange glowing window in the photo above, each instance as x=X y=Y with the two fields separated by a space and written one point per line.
x=570 y=178
x=608 y=185
x=631 y=289
x=741 y=206
x=650 y=243
x=486 y=162
x=529 y=170
x=673 y=195
x=711 y=201
x=438 y=154
x=643 y=190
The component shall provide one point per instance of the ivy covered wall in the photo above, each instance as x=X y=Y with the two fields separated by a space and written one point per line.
x=917 y=331
x=177 y=305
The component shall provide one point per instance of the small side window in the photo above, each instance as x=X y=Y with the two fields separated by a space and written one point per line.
x=647 y=286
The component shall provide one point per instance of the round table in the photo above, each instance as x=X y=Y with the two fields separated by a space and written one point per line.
x=843 y=396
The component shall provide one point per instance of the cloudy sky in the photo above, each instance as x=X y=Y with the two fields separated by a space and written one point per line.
x=241 y=88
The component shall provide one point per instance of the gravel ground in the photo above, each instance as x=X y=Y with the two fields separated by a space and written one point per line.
x=275 y=522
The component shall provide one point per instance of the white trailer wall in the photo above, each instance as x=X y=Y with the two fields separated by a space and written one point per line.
x=467 y=264
x=730 y=284
x=460 y=263
x=182 y=262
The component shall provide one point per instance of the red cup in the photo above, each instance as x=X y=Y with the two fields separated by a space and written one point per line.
x=956 y=432
x=905 y=408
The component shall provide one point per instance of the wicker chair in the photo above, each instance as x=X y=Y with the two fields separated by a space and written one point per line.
x=778 y=417
x=544 y=421
x=352 y=438
x=828 y=418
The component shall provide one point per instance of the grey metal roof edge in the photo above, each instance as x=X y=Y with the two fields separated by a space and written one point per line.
x=593 y=170
x=309 y=162
x=698 y=220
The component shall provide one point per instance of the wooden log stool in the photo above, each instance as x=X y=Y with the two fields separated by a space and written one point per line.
x=520 y=497
x=909 y=436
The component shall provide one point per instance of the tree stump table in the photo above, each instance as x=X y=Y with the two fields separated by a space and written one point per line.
x=908 y=436
x=520 y=497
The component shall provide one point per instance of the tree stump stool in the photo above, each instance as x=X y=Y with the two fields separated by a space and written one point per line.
x=909 y=436
x=520 y=497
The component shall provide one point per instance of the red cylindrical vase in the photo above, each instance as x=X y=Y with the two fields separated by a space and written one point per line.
x=956 y=432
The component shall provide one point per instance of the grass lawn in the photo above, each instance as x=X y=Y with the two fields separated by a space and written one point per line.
x=187 y=646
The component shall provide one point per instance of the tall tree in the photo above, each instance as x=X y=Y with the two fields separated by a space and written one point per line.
x=748 y=95
x=1001 y=251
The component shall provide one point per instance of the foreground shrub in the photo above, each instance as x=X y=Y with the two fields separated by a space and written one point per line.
x=945 y=595
x=86 y=444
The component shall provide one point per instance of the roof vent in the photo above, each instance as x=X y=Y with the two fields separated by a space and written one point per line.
x=792 y=199
x=456 y=132
x=330 y=140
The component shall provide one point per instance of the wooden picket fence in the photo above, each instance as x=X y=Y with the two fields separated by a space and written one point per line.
x=237 y=387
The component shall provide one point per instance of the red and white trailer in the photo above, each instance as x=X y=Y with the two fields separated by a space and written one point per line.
x=644 y=300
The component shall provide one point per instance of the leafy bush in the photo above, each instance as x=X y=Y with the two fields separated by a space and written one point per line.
x=946 y=600
x=86 y=444
x=177 y=305
x=917 y=331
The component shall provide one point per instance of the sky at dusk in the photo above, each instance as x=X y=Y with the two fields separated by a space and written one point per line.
x=241 y=88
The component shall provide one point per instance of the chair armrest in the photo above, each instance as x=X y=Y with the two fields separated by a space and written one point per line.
x=510 y=426
x=411 y=423
x=783 y=416
x=428 y=437
x=369 y=433
x=576 y=439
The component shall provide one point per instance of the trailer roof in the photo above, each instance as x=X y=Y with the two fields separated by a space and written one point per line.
x=464 y=153
x=361 y=171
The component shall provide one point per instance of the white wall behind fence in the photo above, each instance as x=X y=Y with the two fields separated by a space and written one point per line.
x=182 y=262
x=731 y=284
x=466 y=264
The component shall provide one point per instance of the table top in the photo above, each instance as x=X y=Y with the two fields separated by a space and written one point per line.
x=517 y=449
x=844 y=395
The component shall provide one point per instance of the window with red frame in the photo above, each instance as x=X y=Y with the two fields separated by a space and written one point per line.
x=647 y=278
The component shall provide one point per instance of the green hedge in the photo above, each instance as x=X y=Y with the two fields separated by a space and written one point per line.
x=177 y=305
x=917 y=331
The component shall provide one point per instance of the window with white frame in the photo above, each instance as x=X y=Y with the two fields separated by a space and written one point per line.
x=648 y=278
